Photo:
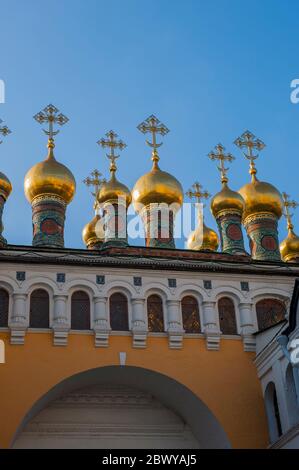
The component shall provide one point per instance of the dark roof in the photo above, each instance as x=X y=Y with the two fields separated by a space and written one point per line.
x=147 y=258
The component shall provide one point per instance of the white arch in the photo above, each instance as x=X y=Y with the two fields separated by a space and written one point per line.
x=204 y=425
x=39 y=282
x=192 y=289
x=229 y=291
x=81 y=284
x=9 y=284
x=157 y=288
x=120 y=286
x=269 y=292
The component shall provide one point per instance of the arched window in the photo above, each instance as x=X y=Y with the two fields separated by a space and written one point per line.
x=291 y=392
x=272 y=410
x=227 y=316
x=190 y=314
x=80 y=311
x=39 y=309
x=269 y=312
x=119 y=320
x=155 y=314
x=4 y=304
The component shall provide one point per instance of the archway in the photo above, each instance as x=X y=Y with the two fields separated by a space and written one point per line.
x=154 y=411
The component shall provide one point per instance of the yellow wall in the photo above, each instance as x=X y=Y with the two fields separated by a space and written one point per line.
x=225 y=380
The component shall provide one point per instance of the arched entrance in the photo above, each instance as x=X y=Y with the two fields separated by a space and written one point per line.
x=120 y=407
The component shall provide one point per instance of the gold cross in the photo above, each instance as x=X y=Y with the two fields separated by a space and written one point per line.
x=4 y=130
x=221 y=157
x=50 y=115
x=287 y=205
x=112 y=144
x=154 y=126
x=249 y=141
x=96 y=181
x=198 y=193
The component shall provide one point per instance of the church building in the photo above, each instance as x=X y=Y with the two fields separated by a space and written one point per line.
x=153 y=346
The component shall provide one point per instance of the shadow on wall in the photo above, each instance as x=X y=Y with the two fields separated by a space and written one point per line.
x=205 y=427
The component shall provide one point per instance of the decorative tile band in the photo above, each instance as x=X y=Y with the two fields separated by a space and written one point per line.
x=158 y=227
x=231 y=235
x=262 y=232
x=48 y=217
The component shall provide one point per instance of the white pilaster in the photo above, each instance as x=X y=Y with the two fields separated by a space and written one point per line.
x=101 y=322
x=139 y=323
x=61 y=323
x=19 y=321
x=247 y=326
x=210 y=323
x=175 y=327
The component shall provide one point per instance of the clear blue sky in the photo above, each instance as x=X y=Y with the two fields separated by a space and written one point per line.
x=208 y=69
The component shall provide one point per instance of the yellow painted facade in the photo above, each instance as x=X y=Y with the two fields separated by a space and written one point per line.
x=226 y=380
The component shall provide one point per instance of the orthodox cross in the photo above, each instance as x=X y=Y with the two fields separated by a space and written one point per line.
x=287 y=205
x=221 y=157
x=95 y=181
x=154 y=126
x=4 y=130
x=50 y=115
x=112 y=143
x=198 y=193
x=249 y=141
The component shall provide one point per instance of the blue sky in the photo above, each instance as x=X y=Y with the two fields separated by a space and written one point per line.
x=208 y=70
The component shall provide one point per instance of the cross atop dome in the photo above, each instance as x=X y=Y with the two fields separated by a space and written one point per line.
x=112 y=143
x=95 y=181
x=251 y=142
x=199 y=194
x=154 y=126
x=4 y=130
x=288 y=204
x=221 y=157
x=50 y=116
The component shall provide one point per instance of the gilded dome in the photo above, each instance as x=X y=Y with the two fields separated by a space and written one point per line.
x=289 y=247
x=227 y=199
x=260 y=196
x=208 y=240
x=157 y=186
x=112 y=190
x=93 y=232
x=5 y=186
x=50 y=177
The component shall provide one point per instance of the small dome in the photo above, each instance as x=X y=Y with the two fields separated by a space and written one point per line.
x=289 y=247
x=208 y=241
x=93 y=232
x=157 y=186
x=5 y=186
x=50 y=177
x=227 y=199
x=112 y=190
x=260 y=197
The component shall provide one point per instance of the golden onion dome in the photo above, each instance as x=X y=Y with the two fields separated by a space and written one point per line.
x=226 y=199
x=158 y=187
x=112 y=190
x=93 y=232
x=260 y=196
x=5 y=186
x=289 y=247
x=50 y=177
x=205 y=240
